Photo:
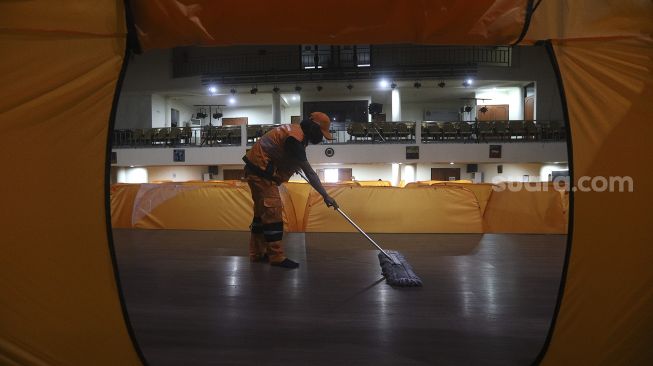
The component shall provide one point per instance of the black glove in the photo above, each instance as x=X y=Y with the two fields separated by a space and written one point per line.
x=330 y=202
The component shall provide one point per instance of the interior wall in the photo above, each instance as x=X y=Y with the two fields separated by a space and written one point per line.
x=256 y=115
x=185 y=112
x=132 y=175
x=513 y=97
x=288 y=112
x=221 y=168
x=134 y=111
x=180 y=173
x=431 y=111
x=159 y=111
x=531 y=63
x=511 y=172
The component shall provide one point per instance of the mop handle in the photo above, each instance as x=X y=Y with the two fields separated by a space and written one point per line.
x=367 y=236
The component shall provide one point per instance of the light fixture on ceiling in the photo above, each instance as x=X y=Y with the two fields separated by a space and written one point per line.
x=232 y=99
x=467 y=82
x=298 y=88
x=254 y=90
x=393 y=85
x=442 y=84
x=350 y=87
x=294 y=97
x=213 y=89
x=319 y=88
x=383 y=83
x=276 y=89
x=417 y=85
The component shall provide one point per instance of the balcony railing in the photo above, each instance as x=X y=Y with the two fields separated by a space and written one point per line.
x=402 y=132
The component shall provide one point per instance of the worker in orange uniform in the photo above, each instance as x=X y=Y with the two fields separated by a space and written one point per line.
x=273 y=159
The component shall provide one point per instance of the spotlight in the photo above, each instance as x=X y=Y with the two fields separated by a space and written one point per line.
x=350 y=87
x=298 y=88
x=319 y=88
x=451 y=163
x=383 y=83
x=213 y=89
x=275 y=89
x=232 y=100
x=294 y=97
x=441 y=84
x=467 y=83
x=233 y=91
x=393 y=85
x=254 y=90
x=417 y=85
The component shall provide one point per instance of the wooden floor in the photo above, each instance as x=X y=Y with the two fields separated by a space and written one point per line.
x=194 y=299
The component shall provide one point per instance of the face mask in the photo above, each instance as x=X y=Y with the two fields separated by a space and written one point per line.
x=316 y=135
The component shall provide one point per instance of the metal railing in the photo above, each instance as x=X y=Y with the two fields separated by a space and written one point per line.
x=372 y=132
x=397 y=132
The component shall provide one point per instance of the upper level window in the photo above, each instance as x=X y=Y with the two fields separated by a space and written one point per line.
x=321 y=56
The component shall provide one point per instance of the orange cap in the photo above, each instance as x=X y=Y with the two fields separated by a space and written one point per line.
x=324 y=122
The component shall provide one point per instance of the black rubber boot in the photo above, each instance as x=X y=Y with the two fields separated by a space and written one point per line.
x=286 y=263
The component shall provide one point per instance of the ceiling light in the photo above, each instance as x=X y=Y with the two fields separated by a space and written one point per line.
x=451 y=163
x=298 y=88
x=319 y=88
x=254 y=90
x=275 y=89
x=417 y=85
x=213 y=89
x=232 y=100
x=294 y=97
x=350 y=87
x=383 y=83
x=442 y=84
x=467 y=82
x=393 y=85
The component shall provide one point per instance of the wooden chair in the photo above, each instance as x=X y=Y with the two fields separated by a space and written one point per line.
x=465 y=130
x=501 y=129
x=449 y=131
x=357 y=130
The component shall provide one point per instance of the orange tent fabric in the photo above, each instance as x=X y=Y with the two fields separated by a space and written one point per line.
x=166 y=24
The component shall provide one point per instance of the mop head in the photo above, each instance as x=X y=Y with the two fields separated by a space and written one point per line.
x=399 y=273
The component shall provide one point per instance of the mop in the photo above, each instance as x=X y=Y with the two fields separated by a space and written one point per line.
x=394 y=267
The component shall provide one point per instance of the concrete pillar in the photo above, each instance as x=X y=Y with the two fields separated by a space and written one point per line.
x=276 y=108
x=396 y=105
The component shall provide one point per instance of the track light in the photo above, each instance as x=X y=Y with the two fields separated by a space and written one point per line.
x=417 y=85
x=213 y=89
x=350 y=87
x=442 y=84
x=393 y=85
x=254 y=90
x=383 y=83
x=467 y=83
x=319 y=88
x=298 y=88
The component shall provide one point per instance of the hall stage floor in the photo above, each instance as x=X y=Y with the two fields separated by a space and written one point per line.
x=194 y=299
